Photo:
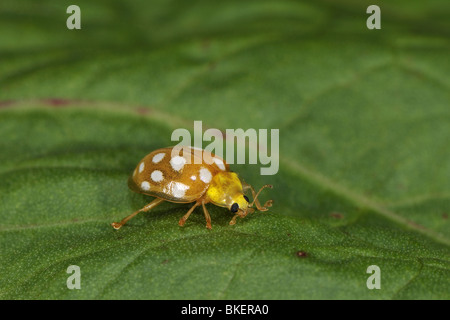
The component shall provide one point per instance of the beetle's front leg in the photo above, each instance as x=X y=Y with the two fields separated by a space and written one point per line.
x=241 y=214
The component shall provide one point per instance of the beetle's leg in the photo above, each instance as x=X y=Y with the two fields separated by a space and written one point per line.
x=255 y=197
x=186 y=216
x=207 y=216
x=233 y=220
x=151 y=205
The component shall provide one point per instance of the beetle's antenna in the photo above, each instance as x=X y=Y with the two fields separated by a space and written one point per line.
x=257 y=194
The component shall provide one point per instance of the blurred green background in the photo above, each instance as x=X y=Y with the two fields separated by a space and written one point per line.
x=364 y=126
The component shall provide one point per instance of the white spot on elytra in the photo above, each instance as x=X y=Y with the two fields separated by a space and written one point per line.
x=177 y=163
x=157 y=176
x=141 y=167
x=193 y=178
x=219 y=163
x=157 y=158
x=179 y=189
x=145 y=185
x=205 y=175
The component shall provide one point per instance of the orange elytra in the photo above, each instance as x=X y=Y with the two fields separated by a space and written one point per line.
x=192 y=175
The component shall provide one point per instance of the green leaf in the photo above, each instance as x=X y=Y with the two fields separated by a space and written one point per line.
x=364 y=159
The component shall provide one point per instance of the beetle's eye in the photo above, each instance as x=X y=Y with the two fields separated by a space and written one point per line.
x=234 y=207
x=246 y=198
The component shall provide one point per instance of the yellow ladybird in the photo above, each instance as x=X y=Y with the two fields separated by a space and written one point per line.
x=188 y=174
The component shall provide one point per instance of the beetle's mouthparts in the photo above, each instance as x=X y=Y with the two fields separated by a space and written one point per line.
x=242 y=213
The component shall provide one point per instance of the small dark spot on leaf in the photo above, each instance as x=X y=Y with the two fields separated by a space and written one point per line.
x=165 y=261
x=336 y=215
x=206 y=44
x=301 y=254
x=445 y=216
x=212 y=65
x=288 y=234
x=6 y=103
x=57 y=102
x=142 y=111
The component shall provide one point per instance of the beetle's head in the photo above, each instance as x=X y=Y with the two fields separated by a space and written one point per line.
x=239 y=205
x=226 y=190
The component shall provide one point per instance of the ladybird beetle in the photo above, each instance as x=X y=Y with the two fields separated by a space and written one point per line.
x=194 y=175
